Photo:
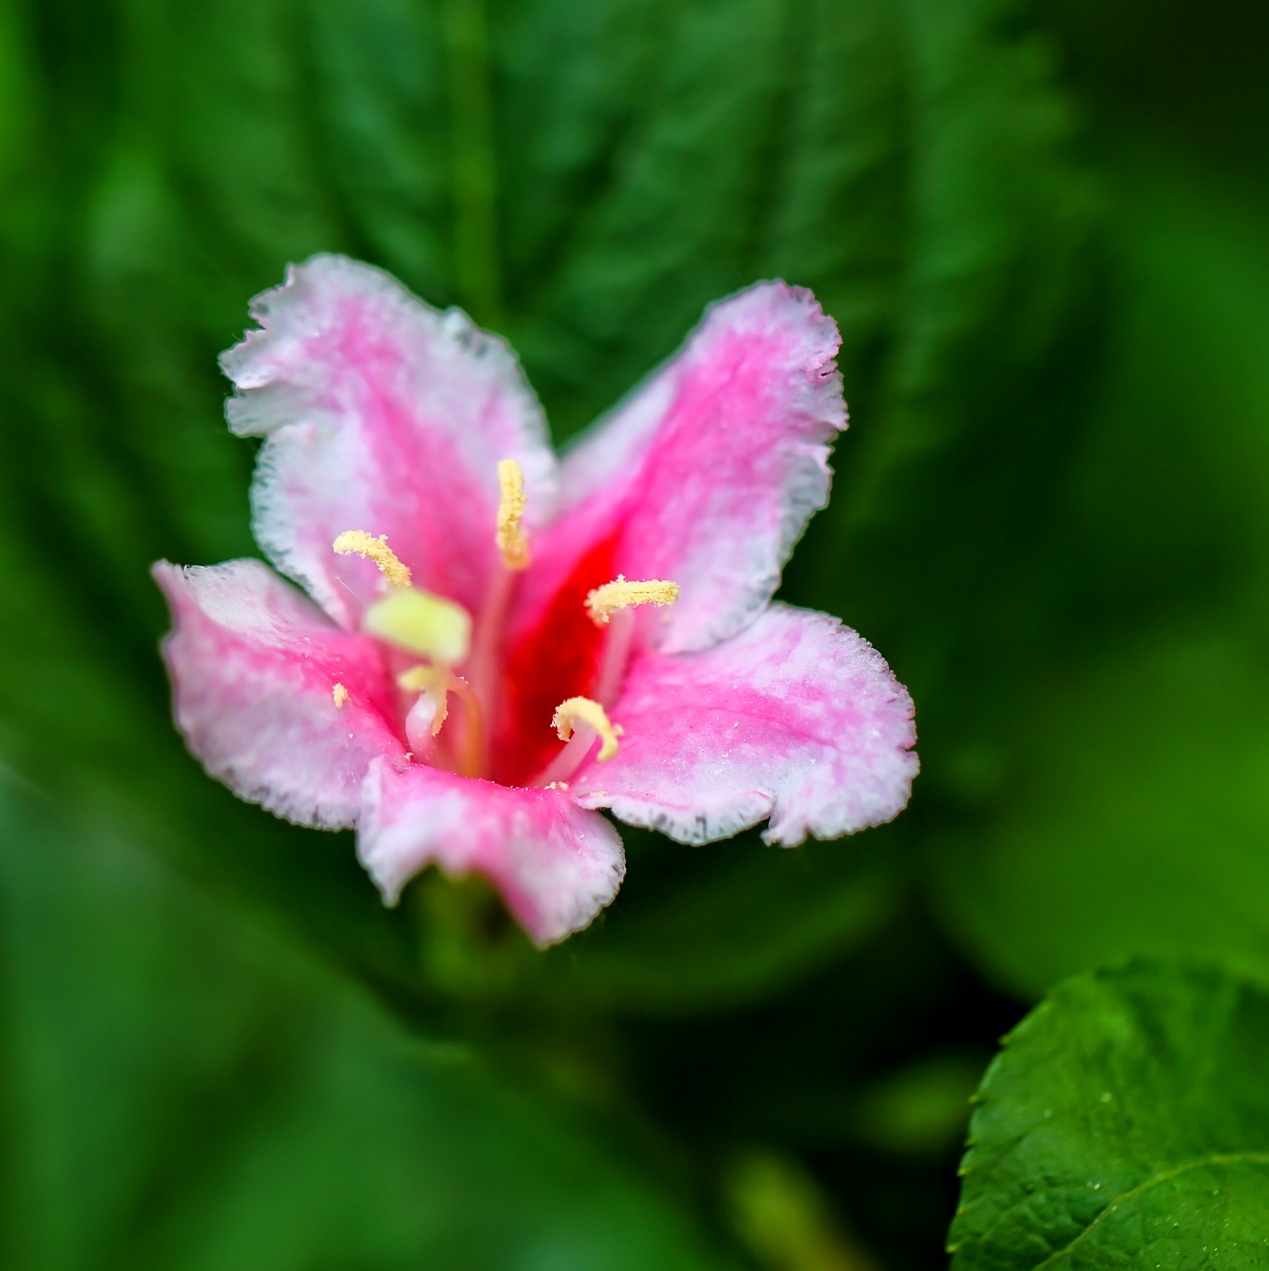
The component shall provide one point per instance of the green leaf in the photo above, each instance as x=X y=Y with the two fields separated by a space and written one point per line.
x=181 y=1091
x=1124 y=1124
x=1114 y=801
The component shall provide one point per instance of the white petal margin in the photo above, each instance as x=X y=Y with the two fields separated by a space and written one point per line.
x=710 y=470
x=381 y=414
x=254 y=665
x=554 y=864
x=798 y=719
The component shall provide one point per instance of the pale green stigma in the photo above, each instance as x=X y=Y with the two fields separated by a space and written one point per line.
x=421 y=623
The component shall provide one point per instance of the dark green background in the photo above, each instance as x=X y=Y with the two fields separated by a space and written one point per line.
x=1042 y=231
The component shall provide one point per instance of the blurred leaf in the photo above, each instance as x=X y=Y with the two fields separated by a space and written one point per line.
x=182 y=1091
x=1124 y=1124
x=949 y=468
x=920 y=1110
x=1169 y=492
x=1136 y=822
x=748 y=921
x=1118 y=802
x=786 y=1220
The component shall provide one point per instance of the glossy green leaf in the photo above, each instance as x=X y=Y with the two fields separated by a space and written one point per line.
x=1125 y=1124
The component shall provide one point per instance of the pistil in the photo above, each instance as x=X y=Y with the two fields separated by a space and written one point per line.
x=420 y=623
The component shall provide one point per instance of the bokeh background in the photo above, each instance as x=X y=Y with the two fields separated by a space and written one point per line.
x=1042 y=230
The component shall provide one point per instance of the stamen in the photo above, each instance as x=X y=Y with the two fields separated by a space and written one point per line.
x=615 y=657
x=421 y=623
x=510 y=538
x=434 y=681
x=339 y=695
x=604 y=601
x=581 y=710
x=359 y=543
x=422 y=723
x=472 y=759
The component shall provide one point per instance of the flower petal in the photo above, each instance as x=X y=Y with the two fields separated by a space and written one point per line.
x=254 y=666
x=555 y=865
x=385 y=415
x=709 y=472
x=797 y=718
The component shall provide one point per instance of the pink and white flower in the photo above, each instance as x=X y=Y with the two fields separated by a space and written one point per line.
x=484 y=590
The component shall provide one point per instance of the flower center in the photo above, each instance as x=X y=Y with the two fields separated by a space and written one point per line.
x=416 y=624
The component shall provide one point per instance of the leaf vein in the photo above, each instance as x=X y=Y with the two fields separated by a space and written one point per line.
x=1215 y=1158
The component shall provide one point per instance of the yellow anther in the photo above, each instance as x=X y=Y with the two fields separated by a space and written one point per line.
x=433 y=680
x=511 y=504
x=339 y=695
x=421 y=623
x=604 y=601
x=581 y=710
x=359 y=543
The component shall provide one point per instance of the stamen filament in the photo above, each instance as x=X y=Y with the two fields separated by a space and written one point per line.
x=433 y=681
x=472 y=760
x=604 y=601
x=482 y=666
x=561 y=768
x=612 y=663
x=359 y=543
x=510 y=537
x=438 y=682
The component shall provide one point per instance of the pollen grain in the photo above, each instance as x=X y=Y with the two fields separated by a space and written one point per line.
x=582 y=710
x=339 y=695
x=510 y=537
x=604 y=601
x=359 y=543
